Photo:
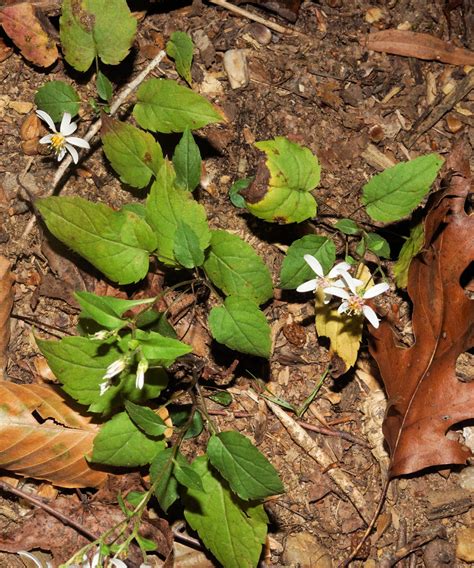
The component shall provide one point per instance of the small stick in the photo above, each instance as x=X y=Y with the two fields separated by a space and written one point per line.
x=60 y=516
x=395 y=557
x=251 y=16
x=335 y=433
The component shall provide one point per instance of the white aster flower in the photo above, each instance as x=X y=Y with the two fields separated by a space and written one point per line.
x=62 y=140
x=141 y=370
x=324 y=282
x=355 y=302
x=104 y=387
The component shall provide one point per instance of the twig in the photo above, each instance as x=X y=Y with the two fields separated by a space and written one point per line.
x=254 y=17
x=392 y=558
x=335 y=433
x=304 y=440
x=60 y=516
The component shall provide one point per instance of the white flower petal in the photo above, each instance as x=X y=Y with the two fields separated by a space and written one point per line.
x=79 y=142
x=308 y=286
x=46 y=139
x=340 y=267
x=371 y=316
x=31 y=557
x=65 y=123
x=117 y=563
x=353 y=283
x=343 y=307
x=49 y=121
x=95 y=560
x=376 y=290
x=61 y=154
x=314 y=264
x=335 y=291
x=72 y=127
x=73 y=152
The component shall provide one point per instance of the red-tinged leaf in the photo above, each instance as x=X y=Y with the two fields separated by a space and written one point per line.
x=28 y=30
x=421 y=46
x=425 y=398
x=54 y=449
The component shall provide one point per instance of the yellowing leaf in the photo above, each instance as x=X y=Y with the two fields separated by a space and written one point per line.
x=55 y=449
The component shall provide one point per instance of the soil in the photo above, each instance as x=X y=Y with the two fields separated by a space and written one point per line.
x=322 y=89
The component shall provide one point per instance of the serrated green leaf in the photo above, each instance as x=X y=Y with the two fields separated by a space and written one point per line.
x=395 y=192
x=409 y=250
x=235 y=267
x=187 y=477
x=106 y=310
x=223 y=398
x=104 y=87
x=166 y=207
x=146 y=419
x=187 y=162
x=118 y=243
x=152 y=320
x=164 y=106
x=295 y=270
x=161 y=474
x=241 y=325
x=281 y=194
x=120 y=443
x=180 y=416
x=91 y=28
x=378 y=245
x=160 y=350
x=249 y=474
x=56 y=98
x=348 y=227
x=232 y=529
x=180 y=47
x=234 y=192
x=187 y=249
x=134 y=154
x=80 y=364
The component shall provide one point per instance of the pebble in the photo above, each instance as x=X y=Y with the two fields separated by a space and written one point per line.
x=304 y=550
x=261 y=33
x=21 y=107
x=235 y=65
x=466 y=478
x=465 y=545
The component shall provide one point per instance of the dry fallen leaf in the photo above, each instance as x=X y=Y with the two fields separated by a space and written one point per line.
x=421 y=46
x=6 y=303
x=28 y=29
x=53 y=447
x=425 y=398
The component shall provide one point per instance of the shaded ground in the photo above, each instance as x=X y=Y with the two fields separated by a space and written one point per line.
x=325 y=91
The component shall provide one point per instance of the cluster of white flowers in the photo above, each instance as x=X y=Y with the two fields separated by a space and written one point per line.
x=120 y=365
x=339 y=283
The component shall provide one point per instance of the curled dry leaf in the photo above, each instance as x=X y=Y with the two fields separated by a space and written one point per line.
x=6 y=303
x=421 y=46
x=53 y=448
x=28 y=29
x=425 y=398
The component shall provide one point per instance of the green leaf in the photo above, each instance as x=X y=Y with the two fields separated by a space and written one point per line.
x=187 y=162
x=152 y=320
x=234 y=192
x=232 y=529
x=378 y=245
x=56 y=98
x=295 y=270
x=166 y=207
x=106 y=310
x=223 y=398
x=118 y=243
x=235 y=267
x=146 y=419
x=180 y=417
x=145 y=544
x=160 y=350
x=135 y=498
x=187 y=477
x=180 y=48
x=409 y=250
x=161 y=474
x=120 y=443
x=104 y=87
x=187 y=249
x=164 y=106
x=241 y=325
x=134 y=154
x=395 y=192
x=249 y=474
x=80 y=364
x=281 y=191
x=91 y=28
x=348 y=227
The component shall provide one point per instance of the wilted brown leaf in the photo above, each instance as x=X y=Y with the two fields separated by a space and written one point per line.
x=53 y=447
x=421 y=46
x=425 y=398
x=6 y=303
x=28 y=30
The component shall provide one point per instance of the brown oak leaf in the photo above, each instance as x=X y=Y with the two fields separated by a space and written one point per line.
x=425 y=398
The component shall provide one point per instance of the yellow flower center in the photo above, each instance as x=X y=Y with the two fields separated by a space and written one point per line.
x=57 y=142
x=355 y=305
